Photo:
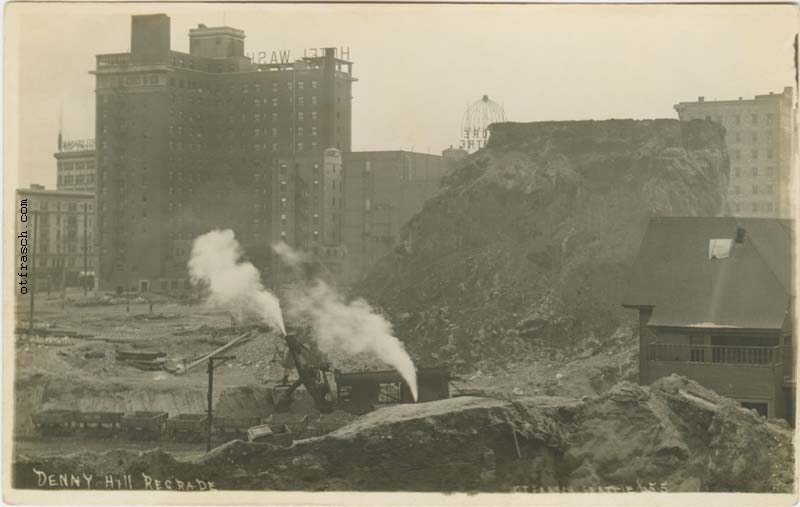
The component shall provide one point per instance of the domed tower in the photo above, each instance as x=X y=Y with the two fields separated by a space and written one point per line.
x=475 y=125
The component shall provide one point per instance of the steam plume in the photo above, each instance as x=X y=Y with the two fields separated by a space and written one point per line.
x=350 y=327
x=234 y=285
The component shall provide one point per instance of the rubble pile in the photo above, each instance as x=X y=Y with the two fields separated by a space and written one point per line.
x=528 y=243
x=674 y=435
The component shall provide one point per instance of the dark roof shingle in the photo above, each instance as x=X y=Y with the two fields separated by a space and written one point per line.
x=751 y=289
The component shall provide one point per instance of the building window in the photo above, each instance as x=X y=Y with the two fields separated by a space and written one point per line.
x=755 y=118
x=345 y=394
x=299 y=146
x=755 y=189
x=755 y=171
x=755 y=154
x=770 y=189
x=736 y=155
x=314 y=116
x=274 y=102
x=314 y=84
x=768 y=207
x=755 y=207
x=738 y=119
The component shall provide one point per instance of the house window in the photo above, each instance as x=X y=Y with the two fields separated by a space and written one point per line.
x=755 y=189
x=389 y=392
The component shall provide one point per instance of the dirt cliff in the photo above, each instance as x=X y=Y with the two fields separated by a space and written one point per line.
x=528 y=242
x=672 y=436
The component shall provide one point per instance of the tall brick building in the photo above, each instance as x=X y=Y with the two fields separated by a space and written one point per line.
x=190 y=142
x=759 y=135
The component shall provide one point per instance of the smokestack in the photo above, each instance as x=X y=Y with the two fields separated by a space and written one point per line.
x=740 y=234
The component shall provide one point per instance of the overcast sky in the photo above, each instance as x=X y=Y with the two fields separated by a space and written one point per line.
x=419 y=67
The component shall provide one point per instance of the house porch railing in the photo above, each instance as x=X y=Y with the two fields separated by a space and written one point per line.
x=714 y=354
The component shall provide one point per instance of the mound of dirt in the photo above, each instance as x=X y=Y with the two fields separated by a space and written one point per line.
x=674 y=435
x=529 y=242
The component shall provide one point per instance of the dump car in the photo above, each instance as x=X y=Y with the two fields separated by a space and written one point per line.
x=144 y=425
x=231 y=428
x=99 y=423
x=187 y=427
x=54 y=421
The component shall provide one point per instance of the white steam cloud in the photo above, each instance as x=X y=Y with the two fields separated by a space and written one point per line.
x=350 y=327
x=234 y=285
x=288 y=255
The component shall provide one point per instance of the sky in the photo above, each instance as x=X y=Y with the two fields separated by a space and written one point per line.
x=418 y=66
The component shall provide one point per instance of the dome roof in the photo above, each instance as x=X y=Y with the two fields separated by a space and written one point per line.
x=477 y=118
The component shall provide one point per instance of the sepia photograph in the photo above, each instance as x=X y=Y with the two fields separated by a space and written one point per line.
x=395 y=254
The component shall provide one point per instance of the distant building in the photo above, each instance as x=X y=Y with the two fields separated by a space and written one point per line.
x=759 y=136
x=63 y=249
x=452 y=157
x=715 y=304
x=307 y=205
x=76 y=165
x=383 y=190
x=188 y=142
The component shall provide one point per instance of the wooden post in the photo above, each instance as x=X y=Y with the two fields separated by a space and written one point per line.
x=85 y=248
x=210 y=410
x=210 y=402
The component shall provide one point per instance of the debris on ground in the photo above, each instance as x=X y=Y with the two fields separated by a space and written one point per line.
x=672 y=436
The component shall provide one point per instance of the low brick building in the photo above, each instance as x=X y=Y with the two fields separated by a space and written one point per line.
x=715 y=302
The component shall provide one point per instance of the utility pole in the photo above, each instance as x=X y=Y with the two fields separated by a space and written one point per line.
x=33 y=268
x=210 y=411
x=85 y=248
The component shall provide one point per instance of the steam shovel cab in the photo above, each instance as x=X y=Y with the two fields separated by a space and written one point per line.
x=715 y=302
x=362 y=392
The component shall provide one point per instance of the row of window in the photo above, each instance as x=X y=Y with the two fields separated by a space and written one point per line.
x=756 y=207
x=77 y=166
x=738 y=119
x=78 y=179
x=245 y=87
x=770 y=171
x=754 y=154
x=754 y=138
x=766 y=189
x=67 y=206
x=56 y=262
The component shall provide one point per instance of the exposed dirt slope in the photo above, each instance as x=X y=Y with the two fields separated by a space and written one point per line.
x=529 y=242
